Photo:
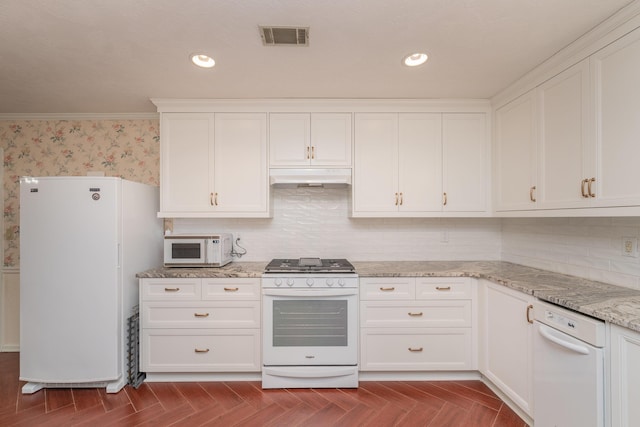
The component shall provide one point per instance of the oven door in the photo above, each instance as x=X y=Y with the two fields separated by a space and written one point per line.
x=310 y=327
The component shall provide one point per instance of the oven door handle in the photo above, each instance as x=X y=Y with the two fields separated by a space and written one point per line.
x=309 y=292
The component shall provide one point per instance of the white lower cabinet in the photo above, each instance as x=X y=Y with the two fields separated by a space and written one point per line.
x=198 y=325
x=625 y=377
x=507 y=342
x=410 y=324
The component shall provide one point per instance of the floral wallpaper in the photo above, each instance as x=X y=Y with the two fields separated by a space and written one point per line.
x=124 y=148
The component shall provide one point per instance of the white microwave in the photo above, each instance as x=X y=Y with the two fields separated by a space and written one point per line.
x=189 y=250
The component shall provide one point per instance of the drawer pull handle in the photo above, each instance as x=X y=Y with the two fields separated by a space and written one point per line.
x=443 y=288
x=201 y=314
x=529 y=308
x=231 y=289
x=415 y=314
x=416 y=350
x=171 y=289
x=310 y=357
x=387 y=289
x=201 y=350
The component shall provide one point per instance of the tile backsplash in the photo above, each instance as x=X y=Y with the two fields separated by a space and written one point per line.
x=316 y=222
x=584 y=247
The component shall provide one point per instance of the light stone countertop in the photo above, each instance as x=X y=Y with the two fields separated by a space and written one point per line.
x=615 y=304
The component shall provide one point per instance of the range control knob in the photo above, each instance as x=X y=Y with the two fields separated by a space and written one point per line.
x=329 y=282
x=290 y=282
x=341 y=282
x=278 y=282
x=309 y=282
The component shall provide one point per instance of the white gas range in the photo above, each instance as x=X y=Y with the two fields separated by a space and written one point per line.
x=310 y=319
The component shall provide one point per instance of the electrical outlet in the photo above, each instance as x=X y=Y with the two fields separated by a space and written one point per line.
x=630 y=247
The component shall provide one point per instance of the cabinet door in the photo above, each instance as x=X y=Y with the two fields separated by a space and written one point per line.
x=289 y=143
x=331 y=139
x=185 y=156
x=240 y=163
x=464 y=155
x=515 y=154
x=420 y=162
x=564 y=149
x=615 y=70
x=376 y=163
x=508 y=338
x=625 y=377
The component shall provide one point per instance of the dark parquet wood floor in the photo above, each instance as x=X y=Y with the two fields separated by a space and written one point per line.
x=449 y=403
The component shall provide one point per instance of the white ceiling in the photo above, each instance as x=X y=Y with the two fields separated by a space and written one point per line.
x=111 y=56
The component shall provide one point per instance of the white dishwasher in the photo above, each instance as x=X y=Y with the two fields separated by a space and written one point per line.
x=568 y=368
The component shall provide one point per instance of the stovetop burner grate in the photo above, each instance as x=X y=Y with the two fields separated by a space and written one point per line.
x=309 y=265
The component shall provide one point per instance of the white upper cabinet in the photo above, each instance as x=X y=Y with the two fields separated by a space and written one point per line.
x=515 y=154
x=565 y=150
x=376 y=163
x=186 y=154
x=309 y=140
x=464 y=160
x=419 y=164
x=214 y=165
x=572 y=142
x=544 y=146
x=615 y=70
x=240 y=163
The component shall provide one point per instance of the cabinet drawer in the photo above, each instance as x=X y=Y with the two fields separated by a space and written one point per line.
x=391 y=288
x=385 y=314
x=231 y=289
x=416 y=349
x=196 y=350
x=442 y=289
x=170 y=289
x=223 y=314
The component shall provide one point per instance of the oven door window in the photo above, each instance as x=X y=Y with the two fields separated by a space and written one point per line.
x=310 y=323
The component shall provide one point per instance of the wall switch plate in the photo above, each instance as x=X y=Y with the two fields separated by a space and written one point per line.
x=630 y=247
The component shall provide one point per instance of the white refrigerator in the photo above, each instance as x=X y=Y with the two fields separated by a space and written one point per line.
x=82 y=241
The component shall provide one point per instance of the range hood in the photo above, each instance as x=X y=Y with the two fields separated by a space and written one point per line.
x=310 y=177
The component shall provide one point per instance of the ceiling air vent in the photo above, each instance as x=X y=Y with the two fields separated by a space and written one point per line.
x=285 y=36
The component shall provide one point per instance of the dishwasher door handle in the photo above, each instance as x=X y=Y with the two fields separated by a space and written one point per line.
x=569 y=346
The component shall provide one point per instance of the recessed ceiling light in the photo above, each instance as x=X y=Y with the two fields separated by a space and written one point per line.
x=415 y=59
x=203 y=61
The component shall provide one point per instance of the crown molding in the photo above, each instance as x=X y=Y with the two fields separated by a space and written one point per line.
x=314 y=105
